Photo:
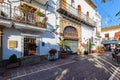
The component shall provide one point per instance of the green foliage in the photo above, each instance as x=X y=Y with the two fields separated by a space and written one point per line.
x=3 y=14
x=40 y=13
x=99 y=47
x=25 y=8
x=92 y=44
x=86 y=46
x=13 y=58
x=62 y=42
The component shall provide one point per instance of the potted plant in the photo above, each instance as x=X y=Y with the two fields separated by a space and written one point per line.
x=86 y=49
x=63 y=53
x=39 y=13
x=40 y=24
x=24 y=8
x=52 y=53
x=13 y=61
x=3 y=14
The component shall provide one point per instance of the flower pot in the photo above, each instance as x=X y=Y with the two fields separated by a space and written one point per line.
x=85 y=52
x=63 y=54
x=40 y=24
x=13 y=65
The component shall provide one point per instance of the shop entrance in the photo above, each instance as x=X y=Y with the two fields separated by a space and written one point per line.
x=70 y=35
x=73 y=45
x=29 y=46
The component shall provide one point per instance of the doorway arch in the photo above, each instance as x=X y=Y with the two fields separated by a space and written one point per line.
x=70 y=35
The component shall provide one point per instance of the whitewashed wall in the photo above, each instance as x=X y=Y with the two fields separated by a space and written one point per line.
x=85 y=7
x=87 y=32
x=11 y=34
x=111 y=33
x=50 y=40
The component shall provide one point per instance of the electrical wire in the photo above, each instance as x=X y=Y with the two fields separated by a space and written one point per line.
x=106 y=12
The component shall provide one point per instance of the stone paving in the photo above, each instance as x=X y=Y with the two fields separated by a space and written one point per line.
x=100 y=60
x=10 y=73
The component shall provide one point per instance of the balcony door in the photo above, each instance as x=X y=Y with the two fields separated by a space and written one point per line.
x=30 y=16
x=29 y=46
x=1 y=38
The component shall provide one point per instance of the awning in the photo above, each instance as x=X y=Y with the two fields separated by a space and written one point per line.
x=6 y=23
x=42 y=1
x=29 y=28
x=109 y=42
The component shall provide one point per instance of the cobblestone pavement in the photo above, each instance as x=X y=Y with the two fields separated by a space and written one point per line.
x=89 y=67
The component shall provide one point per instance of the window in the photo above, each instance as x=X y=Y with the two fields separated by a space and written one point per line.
x=117 y=36
x=70 y=33
x=72 y=3
x=107 y=36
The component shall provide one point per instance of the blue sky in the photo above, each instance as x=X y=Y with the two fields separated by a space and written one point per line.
x=108 y=11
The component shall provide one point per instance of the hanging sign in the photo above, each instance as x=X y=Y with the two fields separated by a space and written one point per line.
x=12 y=44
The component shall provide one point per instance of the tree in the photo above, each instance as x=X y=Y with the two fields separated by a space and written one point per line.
x=62 y=43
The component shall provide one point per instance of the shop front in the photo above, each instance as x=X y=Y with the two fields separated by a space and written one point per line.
x=71 y=36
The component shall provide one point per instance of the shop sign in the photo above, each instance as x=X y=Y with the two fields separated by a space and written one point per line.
x=12 y=44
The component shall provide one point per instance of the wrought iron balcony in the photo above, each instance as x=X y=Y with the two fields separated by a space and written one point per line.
x=16 y=14
x=73 y=13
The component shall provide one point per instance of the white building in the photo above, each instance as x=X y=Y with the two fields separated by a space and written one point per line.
x=19 y=28
x=72 y=20
x=110 y=36
x=78 y=22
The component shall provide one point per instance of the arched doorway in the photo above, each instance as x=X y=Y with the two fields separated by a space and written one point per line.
x=70 y=35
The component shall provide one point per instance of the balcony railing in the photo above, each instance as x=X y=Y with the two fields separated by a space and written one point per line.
x=5 y=11
x=63 y=7
x=15 y=14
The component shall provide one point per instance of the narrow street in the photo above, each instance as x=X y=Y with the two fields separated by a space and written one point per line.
x=90 y=67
